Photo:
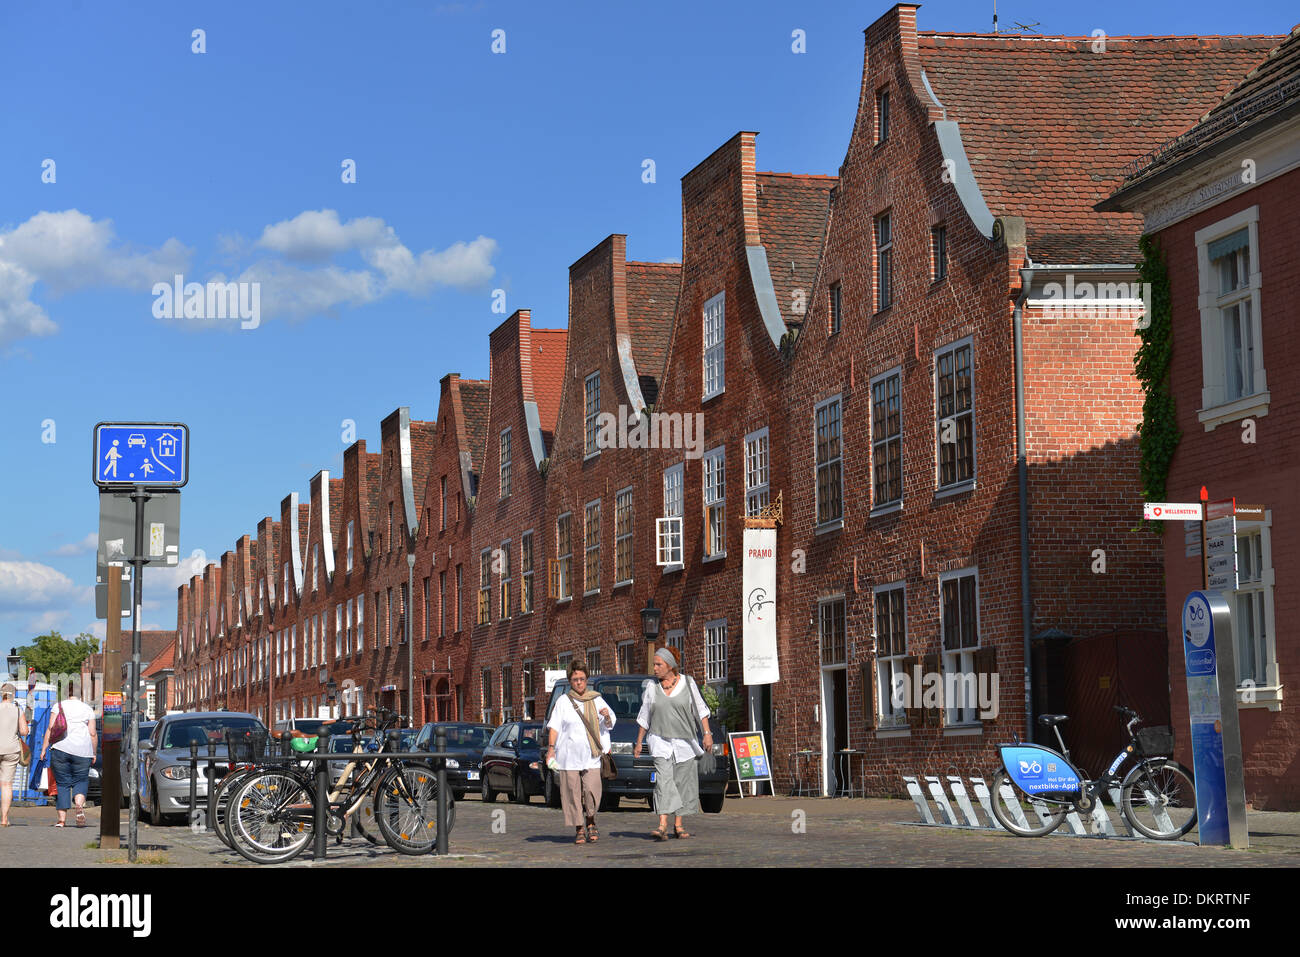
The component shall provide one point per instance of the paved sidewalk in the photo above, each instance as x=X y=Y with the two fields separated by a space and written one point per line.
x=753 y=832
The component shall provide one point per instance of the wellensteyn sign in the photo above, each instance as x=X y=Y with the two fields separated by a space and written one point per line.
x=758 y=589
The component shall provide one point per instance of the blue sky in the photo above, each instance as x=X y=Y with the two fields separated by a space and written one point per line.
x=475 y=171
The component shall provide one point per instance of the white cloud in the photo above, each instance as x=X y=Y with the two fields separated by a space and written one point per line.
x=47 y=621
x=292 y=292
x=32 y=585
x=316 y=235
x=88 y=544
x=461 y=264
x=68 y=250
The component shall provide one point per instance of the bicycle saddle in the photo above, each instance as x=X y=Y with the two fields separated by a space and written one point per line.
x=1051 y=720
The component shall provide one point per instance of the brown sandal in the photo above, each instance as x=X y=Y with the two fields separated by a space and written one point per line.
x=659 y=834
x=593 y=835
x=681 y=833
x=580 y=837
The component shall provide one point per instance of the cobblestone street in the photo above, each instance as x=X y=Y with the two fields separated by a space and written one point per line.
x=755 y=832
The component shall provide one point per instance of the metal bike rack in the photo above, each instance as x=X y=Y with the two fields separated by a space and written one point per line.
x=1098 y=824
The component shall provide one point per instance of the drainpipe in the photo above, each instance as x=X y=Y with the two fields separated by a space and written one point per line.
x=1022 y=474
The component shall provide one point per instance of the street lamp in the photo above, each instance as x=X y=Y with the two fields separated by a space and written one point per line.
x=650 y=620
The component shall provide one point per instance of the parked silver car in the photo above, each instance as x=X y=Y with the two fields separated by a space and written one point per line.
x=165 y=759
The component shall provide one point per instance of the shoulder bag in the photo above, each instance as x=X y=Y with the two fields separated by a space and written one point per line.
x=26 y=757
x=707 y=762
x=607 y=770
x=59 y=726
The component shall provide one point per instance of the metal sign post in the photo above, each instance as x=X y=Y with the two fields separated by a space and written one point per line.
x=1216 y=730
x=138 y=461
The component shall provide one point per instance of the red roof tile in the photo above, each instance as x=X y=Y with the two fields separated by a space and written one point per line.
x=792 y=211
x=549 y=346
x=651 y=304
x=1049 y=125
x=474 y=395
x=163 y=659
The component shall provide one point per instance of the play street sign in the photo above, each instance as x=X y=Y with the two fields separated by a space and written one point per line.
x=150 y=454
x=1171 y=511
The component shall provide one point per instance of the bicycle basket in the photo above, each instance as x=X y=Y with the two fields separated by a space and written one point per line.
x=246 y=747
x=1156 y=742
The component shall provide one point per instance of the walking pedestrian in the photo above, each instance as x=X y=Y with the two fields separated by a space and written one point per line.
x=671 y=710
x=13 y=728
x=72 y=752
x=579 y=734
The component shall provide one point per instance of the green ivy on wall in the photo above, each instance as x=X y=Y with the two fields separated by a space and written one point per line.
x=1158 y=434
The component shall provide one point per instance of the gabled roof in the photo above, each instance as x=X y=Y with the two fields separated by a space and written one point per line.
x=651 y=305
x=792 y=213
x=1050 y=123
x=474 y=396
x=1269 y=89
x=163 y=660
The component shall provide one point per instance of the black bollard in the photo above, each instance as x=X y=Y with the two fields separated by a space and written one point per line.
x=212 y=777
x=440 y=745
x=194 y=779
x=322 y=800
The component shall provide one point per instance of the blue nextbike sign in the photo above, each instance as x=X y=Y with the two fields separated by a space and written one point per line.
x=1204 y=710
x=152 y=454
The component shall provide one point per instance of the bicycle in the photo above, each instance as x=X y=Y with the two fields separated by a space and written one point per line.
x=1157 y=795
x=271 y=816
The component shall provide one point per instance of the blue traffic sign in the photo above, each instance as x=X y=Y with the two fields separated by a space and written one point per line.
x=152 y=454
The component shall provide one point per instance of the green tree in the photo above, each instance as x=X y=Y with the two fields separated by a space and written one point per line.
x=53 y=654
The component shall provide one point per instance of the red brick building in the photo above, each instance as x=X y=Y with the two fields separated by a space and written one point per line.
x=620 y=319
x=944 y=533
x=505 y=573
x=1222 y=203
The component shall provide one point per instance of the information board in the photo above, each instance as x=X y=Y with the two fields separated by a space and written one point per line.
x=750 y=755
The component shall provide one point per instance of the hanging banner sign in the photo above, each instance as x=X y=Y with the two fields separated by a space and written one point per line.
x=758 y=591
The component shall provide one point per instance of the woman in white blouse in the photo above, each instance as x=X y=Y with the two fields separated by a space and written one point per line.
x=579 y=733
x=667 y=704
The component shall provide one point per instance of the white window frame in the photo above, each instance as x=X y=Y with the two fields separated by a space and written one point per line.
x=822 y=604
x=315 y=567
x=591 y=410
x=675 y=640
x=758 y=471
x=588 y=549
x=714 y=364
x=1216 y=409
x=527 y=570
x=625 y=657
x=483 y=612
x=351 y=539
x=963 y=712
x=347 y=628
x=624 y=504
x=715 y=651
x=504 y=464
x=670 y=539
x=958 y=485
x=828 y=524
x=1266 y=693
x=504 y=581
x=890 y=505
x=889 y=714
x=713 y=494
x=564 y=560
x=361 y=622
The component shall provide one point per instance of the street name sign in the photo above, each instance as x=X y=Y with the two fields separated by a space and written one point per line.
x=1171 y=511
x=149 y=454
x=1221 y=545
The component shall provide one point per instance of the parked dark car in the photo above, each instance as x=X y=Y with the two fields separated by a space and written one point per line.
x=512 y=762
x=467 y=742
x=635 y=775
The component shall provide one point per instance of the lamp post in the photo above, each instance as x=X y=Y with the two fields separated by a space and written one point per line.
x=410 y=645
x=650 y=621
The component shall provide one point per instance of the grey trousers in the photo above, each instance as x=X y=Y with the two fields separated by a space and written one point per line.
x=579 y=792
x=677 y=787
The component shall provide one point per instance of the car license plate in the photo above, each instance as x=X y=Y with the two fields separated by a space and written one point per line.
x=471 y=775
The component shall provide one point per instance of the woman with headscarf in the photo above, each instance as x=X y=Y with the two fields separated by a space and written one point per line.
x=13 y=727
x=671 y=710
x=72 y=754
x=579 y=733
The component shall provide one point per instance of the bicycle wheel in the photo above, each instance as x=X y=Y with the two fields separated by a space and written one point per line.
x=1159 y=799
x=1016 y=811
x=270 y=819
x=406 y=808
x=221 y=796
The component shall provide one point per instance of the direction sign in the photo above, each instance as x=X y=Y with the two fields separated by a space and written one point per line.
x=1171 y=511
x=152 y=454
x=1221 y=546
